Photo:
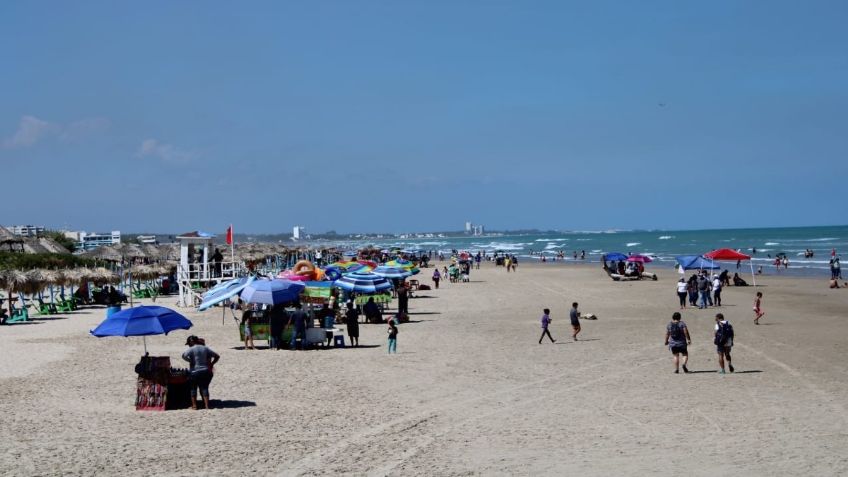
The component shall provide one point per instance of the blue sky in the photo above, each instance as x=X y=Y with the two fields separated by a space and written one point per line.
x=413 y=116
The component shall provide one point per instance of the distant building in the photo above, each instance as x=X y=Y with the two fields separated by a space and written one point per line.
x=297 y=231
x=151 y=239
x=75 y=236
x=468 y=227
x=88 y=241
x=478 y=230
x=27 y=230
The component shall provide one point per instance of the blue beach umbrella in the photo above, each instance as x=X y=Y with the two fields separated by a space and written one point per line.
x=224 y=291
x=363 y=283
x=391 y=272
x=272 y=292
x=696 y=262
x=142 y=321
x=614 y=256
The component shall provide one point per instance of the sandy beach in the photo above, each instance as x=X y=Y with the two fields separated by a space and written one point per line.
x=469 y=392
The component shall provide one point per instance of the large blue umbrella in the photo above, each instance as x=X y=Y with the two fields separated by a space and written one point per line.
x=613 y=256
x=224 y=291
x=392 y=272
x=272 y=292
x=142 y=321
x=363 y=283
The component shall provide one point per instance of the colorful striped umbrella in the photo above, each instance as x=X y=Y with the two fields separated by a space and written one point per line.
x=224 y=291
x=392 y=272
x=272 y=292
x=404 y=264
x=363 y=283
x=343 y=264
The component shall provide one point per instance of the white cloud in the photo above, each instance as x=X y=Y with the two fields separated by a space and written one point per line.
x=32 y=130
x=165 y=152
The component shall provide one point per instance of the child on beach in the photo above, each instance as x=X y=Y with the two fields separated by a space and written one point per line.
x=758 y=311
x=393 y=332
x=546 y=320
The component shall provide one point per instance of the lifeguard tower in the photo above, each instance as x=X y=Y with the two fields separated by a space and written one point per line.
x=196 y=272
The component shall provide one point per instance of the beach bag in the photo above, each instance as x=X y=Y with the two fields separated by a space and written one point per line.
x=724 y=335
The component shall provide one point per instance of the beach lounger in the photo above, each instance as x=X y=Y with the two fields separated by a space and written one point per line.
x=46 y=308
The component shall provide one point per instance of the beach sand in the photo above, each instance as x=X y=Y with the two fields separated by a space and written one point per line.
x=469 y=392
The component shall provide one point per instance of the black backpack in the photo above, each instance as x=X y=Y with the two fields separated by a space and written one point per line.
x=724 y=333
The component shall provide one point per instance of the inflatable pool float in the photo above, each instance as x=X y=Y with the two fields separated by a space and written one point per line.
x=290 y=275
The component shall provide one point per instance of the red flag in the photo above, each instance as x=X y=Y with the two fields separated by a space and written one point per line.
x=230 y=235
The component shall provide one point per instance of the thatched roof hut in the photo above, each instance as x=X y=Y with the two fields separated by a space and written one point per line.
x=103 y=253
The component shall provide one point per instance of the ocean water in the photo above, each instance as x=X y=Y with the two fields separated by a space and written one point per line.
x=662 y=245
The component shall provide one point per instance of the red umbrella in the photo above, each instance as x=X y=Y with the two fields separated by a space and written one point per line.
x=727 y=254
x=639 y=258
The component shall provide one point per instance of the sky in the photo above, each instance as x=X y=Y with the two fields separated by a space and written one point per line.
x=360 y=116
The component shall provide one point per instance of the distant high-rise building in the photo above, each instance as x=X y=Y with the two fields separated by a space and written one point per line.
x=90 y=241
x=147 y=239
x=297 y=231
x=468 y=227
x=27 y=230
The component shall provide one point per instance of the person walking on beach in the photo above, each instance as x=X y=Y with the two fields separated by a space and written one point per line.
x=546 y=321
x=723 y=341
x=682 y=288
x=436 y=277
x=201 y=362
x=677 y=339
x=758 y=310
x=246 y=321
x=393 y=332
x=574 y=314
x=717 y=290
x=352 y=322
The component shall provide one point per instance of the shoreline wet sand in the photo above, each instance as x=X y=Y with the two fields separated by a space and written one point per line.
x=470 y=390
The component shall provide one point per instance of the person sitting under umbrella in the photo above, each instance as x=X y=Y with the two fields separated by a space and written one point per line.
x=372 y=311
x=201 y=361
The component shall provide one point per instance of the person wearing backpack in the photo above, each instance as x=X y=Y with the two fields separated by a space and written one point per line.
x=723 y=341
x=677 y=339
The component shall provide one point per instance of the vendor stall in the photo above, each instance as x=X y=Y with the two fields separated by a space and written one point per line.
x=161 y=387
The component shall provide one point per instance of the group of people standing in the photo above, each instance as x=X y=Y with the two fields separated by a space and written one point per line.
x=702 y=290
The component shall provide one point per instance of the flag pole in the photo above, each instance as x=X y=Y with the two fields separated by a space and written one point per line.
x=232 y=245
